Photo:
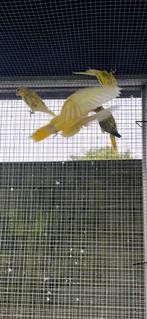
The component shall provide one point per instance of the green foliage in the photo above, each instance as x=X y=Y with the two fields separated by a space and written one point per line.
x=103 y=154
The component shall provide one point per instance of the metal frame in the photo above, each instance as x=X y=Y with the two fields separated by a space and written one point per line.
x=144 y=174
x=60 y=93
x=62 y=87
x=139 y=123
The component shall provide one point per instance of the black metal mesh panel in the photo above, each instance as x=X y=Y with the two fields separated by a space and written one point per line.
x=70 y=235
x=47 y=38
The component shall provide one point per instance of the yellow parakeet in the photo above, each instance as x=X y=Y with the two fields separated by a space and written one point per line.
x=78 y=105
x=109 y=125
x=33 y=100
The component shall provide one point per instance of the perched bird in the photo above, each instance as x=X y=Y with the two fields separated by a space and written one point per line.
x=109 y=125
x=33 y=100
x=79 y=104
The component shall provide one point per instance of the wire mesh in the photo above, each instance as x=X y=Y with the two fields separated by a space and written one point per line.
x=71 y=227
x=49 y=38
x=17 y=125
x=71 y=213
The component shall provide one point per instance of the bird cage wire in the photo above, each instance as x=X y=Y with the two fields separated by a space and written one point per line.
x=71 y=229
x=56 y=38
x=85 y=145
x=73 y=218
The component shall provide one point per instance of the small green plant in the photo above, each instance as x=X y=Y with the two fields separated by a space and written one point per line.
x=103 y=154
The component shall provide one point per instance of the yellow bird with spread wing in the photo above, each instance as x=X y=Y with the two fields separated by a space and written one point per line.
x=108 y=124
x=74 y=113
x=57 y=125
x=33 y=100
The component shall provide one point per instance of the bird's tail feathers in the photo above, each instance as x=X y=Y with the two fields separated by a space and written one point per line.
x=43 y=132
x=47 y=130
x=113 y=143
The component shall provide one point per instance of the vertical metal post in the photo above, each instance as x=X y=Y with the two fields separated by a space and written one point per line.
x=144 y=174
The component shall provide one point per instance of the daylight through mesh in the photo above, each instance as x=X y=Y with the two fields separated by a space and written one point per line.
x=71 y=229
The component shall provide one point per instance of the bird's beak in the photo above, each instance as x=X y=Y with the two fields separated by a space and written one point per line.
x=80 y=72
x=91 y=72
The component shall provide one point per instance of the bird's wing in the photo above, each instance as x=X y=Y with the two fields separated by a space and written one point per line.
x=72 y=130
x=86 y=100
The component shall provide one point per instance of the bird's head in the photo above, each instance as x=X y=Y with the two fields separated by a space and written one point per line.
x=20 y=91
x=105 y=78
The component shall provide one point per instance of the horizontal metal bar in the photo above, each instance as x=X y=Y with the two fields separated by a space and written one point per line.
x=125 y=79
x=61 y=93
